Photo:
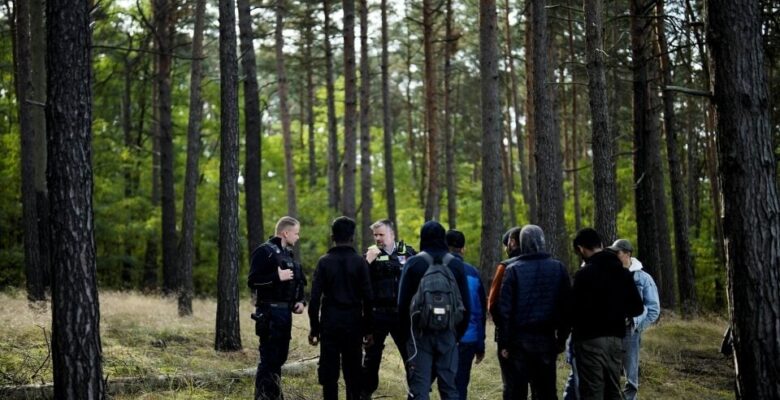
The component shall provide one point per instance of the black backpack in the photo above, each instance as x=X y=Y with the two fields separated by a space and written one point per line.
x=437 y=305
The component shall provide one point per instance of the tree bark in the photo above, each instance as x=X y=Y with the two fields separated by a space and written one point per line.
x=450 y=45
x=38 y=115
x=492 y=190
x=228 y=331
x=152 y=251
x=685 y=273
x=530 y=76
x=24 y=91
x=253 y=186
x=164 y=19
x=748 y=170
x=310 y=99
x=281 y=76
x=604 y=163
x=575 y=143
x=549 y=174
x=524 y=187
x=387 y=122
x=334 y=190
x=646 y=142
x=431 y=113
x=350 y=111
x=76 y=346
x=186 y=248
x=365 y=130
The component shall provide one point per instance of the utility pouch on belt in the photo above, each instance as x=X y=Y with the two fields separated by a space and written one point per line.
x=262 y=321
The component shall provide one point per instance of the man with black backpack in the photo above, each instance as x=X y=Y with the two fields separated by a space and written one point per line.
x=434 y=306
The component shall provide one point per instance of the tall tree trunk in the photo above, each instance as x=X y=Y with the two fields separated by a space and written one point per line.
x=549 y=174
x=38 y=115
x=450 y=45
x=228 y=331
x=152 y=251
x=310 y=99
x=350 y=111
x=492 y=190
x=334 y=190
x=530 y=109
x=524 y=187
x=646 y=142
x=748 y=168
x=412 y=147
x=281 y=76
x=76 y=347
x=164 y=21
x=387 y=122
x=365 y=130
x=186 y=252
x=127 y=168
x=604 y=163
x=24 y=90
x=685 y=272
x=431 y=112
x=253 y=187
x=574 y=139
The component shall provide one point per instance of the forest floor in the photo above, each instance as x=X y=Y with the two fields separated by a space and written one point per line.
x=142 y=336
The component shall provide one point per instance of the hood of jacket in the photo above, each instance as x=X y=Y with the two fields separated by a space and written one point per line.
x=531 y=240
x=636 y=265
x=433 y=237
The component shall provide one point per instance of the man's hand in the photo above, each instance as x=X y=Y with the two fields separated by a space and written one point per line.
x=298 y=309
x=368 y=340
x=314 y=340
x=285 y=274
x=480 y=357
x=372 y=253
x=505 y=354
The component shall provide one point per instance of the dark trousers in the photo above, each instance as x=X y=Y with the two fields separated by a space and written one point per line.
x=599 y=363
x=533 y=368
x=466 y=353
x=274 y=331
x=429 y=350
x=384 y=325
x=340 y=350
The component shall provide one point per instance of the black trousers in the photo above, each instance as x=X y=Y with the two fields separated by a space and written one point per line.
x=274 y=331
x=341 y=349
x=384 y=324
x=529 y=367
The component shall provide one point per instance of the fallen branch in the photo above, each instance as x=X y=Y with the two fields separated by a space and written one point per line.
x=125 y=385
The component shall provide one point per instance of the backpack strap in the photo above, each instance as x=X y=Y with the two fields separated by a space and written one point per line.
x=427 y=257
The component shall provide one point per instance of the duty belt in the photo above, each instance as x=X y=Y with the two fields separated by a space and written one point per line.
x=276 y=304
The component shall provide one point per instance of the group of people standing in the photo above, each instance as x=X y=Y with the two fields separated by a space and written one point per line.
x=434 y=307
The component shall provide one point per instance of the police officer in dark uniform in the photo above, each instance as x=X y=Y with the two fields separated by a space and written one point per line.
x=340 y=312
x=277 y=280
x=386 y=260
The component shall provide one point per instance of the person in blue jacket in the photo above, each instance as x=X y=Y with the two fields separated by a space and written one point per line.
x=472 y=345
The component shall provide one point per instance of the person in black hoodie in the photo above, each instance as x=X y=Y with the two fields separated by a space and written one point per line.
x=429 y=349
x=341 y=282
x=604 y=296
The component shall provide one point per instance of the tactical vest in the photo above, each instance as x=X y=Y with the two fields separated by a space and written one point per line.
x=288 y=291
x=386 y=275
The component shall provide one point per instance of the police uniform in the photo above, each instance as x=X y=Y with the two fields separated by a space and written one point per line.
x=385 y=272
x=273 y=313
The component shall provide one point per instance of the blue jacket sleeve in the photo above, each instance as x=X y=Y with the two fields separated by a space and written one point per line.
x=650 y=299
x=463 y=286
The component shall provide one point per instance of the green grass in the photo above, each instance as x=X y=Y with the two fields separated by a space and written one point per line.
x=143 y=336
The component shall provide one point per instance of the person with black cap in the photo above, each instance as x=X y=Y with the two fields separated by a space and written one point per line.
x=604 y=296
x=472 y=344
x=511 y=242
x=435 y=330
x=535 y=316
x=340 y=311
x=648 y=291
